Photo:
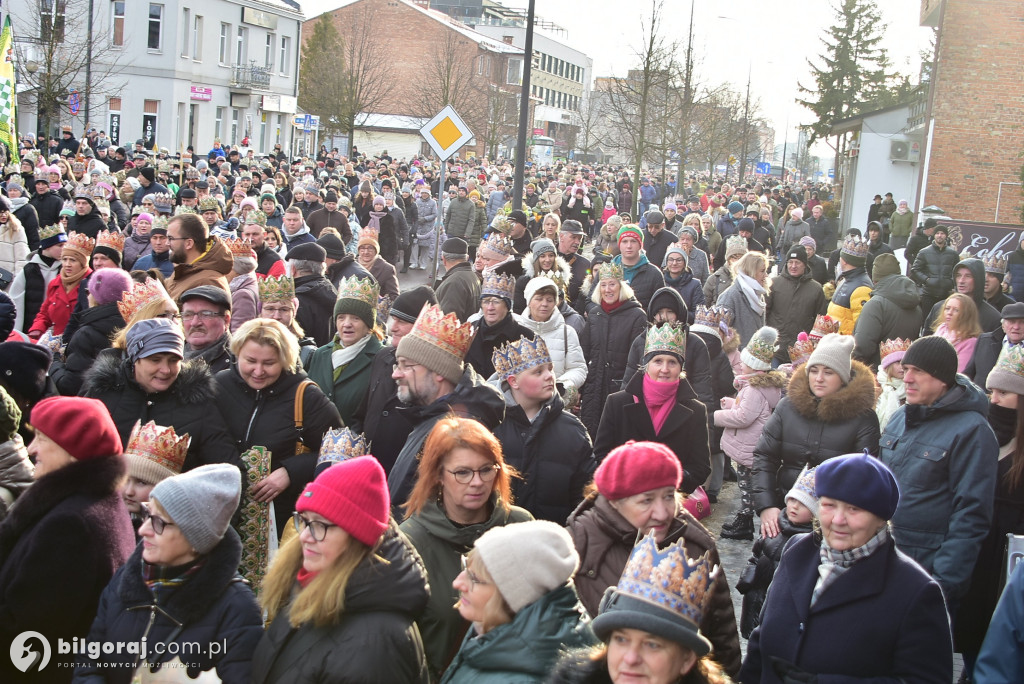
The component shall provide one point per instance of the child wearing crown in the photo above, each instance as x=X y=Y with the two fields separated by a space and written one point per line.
x=890 y=379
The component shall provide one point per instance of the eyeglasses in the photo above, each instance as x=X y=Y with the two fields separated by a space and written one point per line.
x=156 y=521
x=491 y=301
x=172 y=239
x=473 y=579
x=403 y=367
x=465 y=475
x=317 y=528
x=276 y=309
x=204 y=315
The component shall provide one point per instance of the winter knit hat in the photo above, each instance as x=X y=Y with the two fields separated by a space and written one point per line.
x=438 y=342
x=735 y=246
x=201 y=502
x=1008 y=375
x=735 y=207
x=23 y=368
x=527 y=560
x=407 y=306
x=352 y=494
x=835 y=351
x=676 y=249
x=630 y=230
x=884 y=265
x=81 y=426
x=108 y=284
x=799 y=253
x=541 y=246
x=935 y=356
x=861 y=480
x=808 y=242
x=10 y=416
x=146 y=216
x=333 y=245
x=635 y=468
x=761 y=349
x=803 y=490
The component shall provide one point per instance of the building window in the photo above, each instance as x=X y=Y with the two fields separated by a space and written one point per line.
x=197 y=39
x=156 y=22
x=51 y=21
x=269 y=56
x=117 y=24
x=241 y=45
x=218 y=123
x=225 y=43
x=286 y=44
x=234 y=126
x=515 y=71
x=185 y=16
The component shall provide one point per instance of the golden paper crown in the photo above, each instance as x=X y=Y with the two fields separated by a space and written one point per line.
x=668 y=338
x=669 y=579
x=209 y=203
x=443 y=331
x=711 y=319
x=995 y=265
x=369 y=233
x=608 y=270
x=513 y=358
x=363 y=290
x=281 y=289
x=341 y=445
x=893 y=346
x=240 y=247
x=182 y=209
x=256 y=217
x=139 y=296
x=802 y=349
x=110 y=239
x=823 y=325
x=153 y=444
x=557 y=276
x=498 y=285
x=499 y=245
x=81 y=242
x=51 y=231
x=163 y=202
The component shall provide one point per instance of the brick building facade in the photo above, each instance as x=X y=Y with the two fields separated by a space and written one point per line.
x=977 y=109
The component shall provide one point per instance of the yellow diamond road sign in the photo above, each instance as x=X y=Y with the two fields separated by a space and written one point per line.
x=446 y=133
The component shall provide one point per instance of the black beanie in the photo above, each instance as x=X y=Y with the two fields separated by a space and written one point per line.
x=108 y=252
x=798 y=252
x=148 y=173
x=408 y=305
x=332 y=245
x=23 y=367
x=935 y=356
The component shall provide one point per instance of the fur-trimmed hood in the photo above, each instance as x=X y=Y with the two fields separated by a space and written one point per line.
x=773 y=378
x=560 y=265
x=853 y=398
x=111 y=373
x=732 y=342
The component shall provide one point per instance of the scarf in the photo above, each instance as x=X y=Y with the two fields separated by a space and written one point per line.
x=71 y=282
x=608 y=308
x=341 y=355
x=902 y=210
x=753 y=291
x=304 y=578
x=630 y=271
x=834 y=563
x=208 y=354
x=375 y=217
x=1003 y=421
x=659 y=397
x=162 y=580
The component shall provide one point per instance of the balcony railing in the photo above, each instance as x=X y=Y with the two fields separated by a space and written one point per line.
x=250 y=76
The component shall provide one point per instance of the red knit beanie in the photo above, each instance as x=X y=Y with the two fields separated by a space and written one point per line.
x=82 y=427
x=353 y=495
x=637 y=467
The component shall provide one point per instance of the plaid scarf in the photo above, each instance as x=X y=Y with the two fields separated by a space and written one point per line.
x=162 y=580
x=834 y=563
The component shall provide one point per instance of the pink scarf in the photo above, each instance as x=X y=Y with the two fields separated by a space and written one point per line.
x=659 y=397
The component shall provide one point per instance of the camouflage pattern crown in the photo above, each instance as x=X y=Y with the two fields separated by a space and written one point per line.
x=669 y=338
x=443 y=331
x=159 y=444
x=256 y=217
x=498 y=285
x=513 y=358
x=141 y=295
x=341 y=445
x=501 y=224
x=363 y=290
x=281 y=289
x=669 y=579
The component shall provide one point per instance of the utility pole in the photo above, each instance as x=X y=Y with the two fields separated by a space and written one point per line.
x=684 y=129
x=88 y=64
x=785 y=143
x=524 y=113
x=746 y=130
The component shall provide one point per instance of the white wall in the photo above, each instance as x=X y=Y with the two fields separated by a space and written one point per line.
x=398 y=145
x=875 y=174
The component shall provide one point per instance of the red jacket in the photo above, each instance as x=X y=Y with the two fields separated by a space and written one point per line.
x=57 y=307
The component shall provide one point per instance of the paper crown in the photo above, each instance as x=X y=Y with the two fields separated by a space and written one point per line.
x=711 y=319
x=191 y=173
x=340 y=445
x=498 y=285
x=81 y=242
x=160 y=222
x=141 y=295
x=209 y=203
x=557 y=276
x=363 y=290
x=281 y=289
x=50 y=231
x=68 y=209
x=669 y=579
x=83 y=192
x=823 y=325
x=97 y=191
x=513 y=358
x=995 y=265
x=855 y=247
x=893 y=346
x=669 y=338
x=443 y=331
x=78 y=166
x=802 y=349
x=369 y=233
x=609 y=271
x=256 y=217
x=499 y=245
x=384 y=303
x=182 y=209
x=155 y=452
x=501 y=224
x=163 y=202
x=111 y=240
x=240 y=247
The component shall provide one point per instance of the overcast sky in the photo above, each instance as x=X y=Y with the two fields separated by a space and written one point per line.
x=773 y=39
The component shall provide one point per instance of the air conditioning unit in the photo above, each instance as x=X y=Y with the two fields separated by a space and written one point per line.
x=905 y=151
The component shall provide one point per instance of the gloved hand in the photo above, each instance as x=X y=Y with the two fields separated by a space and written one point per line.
x=791 y=674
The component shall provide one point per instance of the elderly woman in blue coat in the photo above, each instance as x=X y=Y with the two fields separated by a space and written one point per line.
x=845 y=604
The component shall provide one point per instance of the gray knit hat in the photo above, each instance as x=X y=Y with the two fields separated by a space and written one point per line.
x=201 y=502
x=527 y=560
x=835 y=351
x=439 y=342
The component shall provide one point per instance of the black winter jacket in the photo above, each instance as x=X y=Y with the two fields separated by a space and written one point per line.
x=96 y=324
x=989 y=317
x=791 y=308
x=316 y=298
x=553 y=455
x=986 y=353
x=190 y=405
x=606 y=341
x=685 y=431
x=383 y=425
x=90 y=224
x=933 y=270
x=893 y=311
x=267 y=418
x=214 y=605
x=374 y=640
x=805 y=431
x=47 y=206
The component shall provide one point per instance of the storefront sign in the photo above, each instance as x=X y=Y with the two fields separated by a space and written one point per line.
x=983 y=239
x=115 y=129
x=149 y=130
x=202 y=93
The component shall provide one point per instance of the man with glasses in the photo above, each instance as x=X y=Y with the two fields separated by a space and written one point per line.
x=570 y=236
x=206 y=318
x=198 y=259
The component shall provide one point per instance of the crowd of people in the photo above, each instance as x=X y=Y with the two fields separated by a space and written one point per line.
x=223 y=414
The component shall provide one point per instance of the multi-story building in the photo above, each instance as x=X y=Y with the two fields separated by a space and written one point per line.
x=172 y=73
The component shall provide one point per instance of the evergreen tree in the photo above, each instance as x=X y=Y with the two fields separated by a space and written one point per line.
x=321 y=88
x=855 y=74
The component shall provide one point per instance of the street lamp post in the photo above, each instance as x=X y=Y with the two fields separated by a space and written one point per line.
x=524 y=113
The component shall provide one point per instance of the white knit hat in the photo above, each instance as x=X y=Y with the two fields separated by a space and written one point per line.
x=835 y=351
x=761 y=349
x=527 y=560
